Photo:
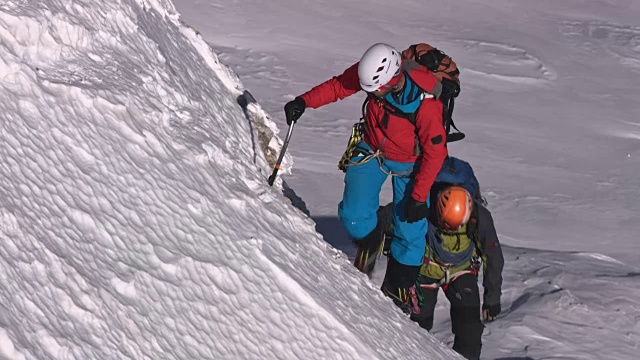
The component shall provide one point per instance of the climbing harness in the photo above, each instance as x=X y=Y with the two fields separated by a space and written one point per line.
x=447 y=260
x=448 y=278
x=367 y=155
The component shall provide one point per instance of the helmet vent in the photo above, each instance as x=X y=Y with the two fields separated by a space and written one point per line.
x=377 y=66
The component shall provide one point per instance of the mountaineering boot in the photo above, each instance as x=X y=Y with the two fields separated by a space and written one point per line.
x=369 y=248
x=400 y=285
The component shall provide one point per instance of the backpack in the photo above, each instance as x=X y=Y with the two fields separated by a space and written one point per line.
x=446 y=71
x=455 y=171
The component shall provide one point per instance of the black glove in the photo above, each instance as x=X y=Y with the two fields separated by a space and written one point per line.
x=415 y=210
x=490 y=312
x=294 y=109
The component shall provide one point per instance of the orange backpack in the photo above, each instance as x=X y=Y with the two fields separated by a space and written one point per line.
x=446 y=71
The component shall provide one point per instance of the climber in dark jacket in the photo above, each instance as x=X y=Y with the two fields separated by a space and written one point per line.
x=461 y=241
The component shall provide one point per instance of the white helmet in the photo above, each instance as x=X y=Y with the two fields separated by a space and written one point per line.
x=378 y=65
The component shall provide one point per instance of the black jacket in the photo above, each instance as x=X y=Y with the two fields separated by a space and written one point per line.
x=493 y=261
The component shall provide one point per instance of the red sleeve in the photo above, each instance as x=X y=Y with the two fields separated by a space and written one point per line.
x=336 y=88
x=433 y=140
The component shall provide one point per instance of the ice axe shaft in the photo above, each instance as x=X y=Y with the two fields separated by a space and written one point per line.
x=272 y=178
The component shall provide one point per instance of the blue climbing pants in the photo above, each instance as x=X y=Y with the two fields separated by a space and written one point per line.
x=361 y=199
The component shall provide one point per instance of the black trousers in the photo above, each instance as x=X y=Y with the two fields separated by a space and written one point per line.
x=466 y=325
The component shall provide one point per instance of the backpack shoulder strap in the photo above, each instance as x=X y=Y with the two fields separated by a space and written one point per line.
x=447 y=120
x=364 y=106
x=388 y=110
x=414 y=52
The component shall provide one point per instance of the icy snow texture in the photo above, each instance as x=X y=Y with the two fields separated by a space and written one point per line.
x=549 y=106
x=135 y=219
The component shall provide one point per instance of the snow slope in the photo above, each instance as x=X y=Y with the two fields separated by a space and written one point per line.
x=548 y=106
x=135 y=219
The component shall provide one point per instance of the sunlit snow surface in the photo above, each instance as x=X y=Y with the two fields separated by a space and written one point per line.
x=135 y=219
x=549 y=106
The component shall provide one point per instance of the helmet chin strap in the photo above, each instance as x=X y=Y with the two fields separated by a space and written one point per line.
x=444 y=226
x=395 y=90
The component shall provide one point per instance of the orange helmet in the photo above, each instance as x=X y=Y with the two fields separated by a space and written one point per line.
x=454 y=207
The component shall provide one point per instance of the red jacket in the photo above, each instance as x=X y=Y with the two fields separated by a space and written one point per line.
x=397 y=140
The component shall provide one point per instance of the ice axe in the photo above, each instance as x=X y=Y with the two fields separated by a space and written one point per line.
x=272 y=178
